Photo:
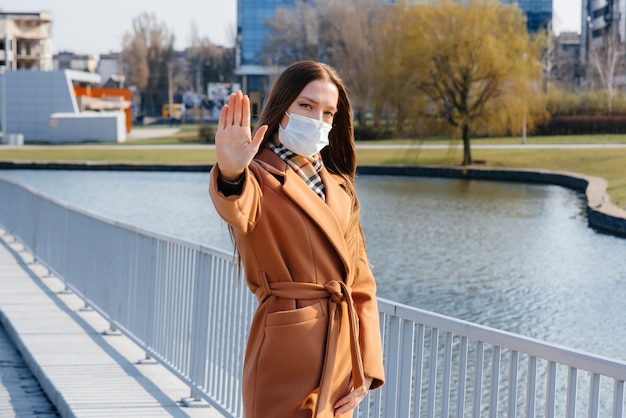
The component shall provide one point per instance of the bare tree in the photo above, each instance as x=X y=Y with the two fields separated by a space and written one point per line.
x=349 y=41
x=148 y=52
x=395 y=76
x=606 y=58
x=293 y=35
x=567 y=69
x=340 y=32
x=545 y=41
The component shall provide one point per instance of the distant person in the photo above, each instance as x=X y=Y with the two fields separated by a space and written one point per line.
x=174 y=122
x=289 y=197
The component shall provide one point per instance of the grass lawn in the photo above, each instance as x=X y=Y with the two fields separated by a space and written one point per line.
x=563 y=139
x=188 y=134
x=602 y=162
x=608 y=163
x=112 y=154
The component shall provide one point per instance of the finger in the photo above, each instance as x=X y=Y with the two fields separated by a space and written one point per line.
x=258 y=136
x=245 y=122
x=347 y=407
x=223 y=116
x=350 y=401
x=346 y=400
x=231 y=105
x=238 y=108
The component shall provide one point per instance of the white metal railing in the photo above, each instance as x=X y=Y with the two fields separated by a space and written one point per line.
x=187 y=306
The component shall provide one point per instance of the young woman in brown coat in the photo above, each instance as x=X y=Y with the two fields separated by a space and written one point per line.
x=314 y=348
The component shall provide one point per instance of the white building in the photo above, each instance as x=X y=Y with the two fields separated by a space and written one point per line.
x=601 y=18
x=41 y=106
x=110 y=66
x=25 y=41
x=66 y=60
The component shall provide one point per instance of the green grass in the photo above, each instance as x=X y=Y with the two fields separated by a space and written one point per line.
x=602 y=162
x=608 y=163
x=563 y=139
x=112 y=154
x=188 y=134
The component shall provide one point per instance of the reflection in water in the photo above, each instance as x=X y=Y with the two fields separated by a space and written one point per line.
x=512 y=256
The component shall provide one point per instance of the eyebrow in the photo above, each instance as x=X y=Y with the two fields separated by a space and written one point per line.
x=334 y=108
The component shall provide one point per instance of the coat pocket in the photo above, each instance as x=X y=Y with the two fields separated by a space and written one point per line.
x=292 y=356
x=295 y=316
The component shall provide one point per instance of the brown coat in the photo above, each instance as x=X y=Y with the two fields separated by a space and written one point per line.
x=299 y=359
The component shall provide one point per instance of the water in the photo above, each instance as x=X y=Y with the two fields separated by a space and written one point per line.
x=20 y=393
x=515 y=257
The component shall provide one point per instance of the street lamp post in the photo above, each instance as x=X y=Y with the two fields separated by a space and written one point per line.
x=588 y=49
x=524 y=121
x=170 y=91
x=524 y=102
x=3 y=103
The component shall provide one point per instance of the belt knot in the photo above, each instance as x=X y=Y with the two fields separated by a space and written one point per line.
x=337 y=291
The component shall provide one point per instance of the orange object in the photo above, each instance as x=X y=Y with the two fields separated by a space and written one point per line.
x=105 y=92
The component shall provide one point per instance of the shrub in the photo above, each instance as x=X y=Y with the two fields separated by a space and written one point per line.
x=560 y=103
x=370 y=133
x=206 y=133
x=583 y=125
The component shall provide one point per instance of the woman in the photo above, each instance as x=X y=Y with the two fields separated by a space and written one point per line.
x=288 y=195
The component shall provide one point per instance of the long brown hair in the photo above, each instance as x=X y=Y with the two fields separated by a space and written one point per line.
x=339 y=157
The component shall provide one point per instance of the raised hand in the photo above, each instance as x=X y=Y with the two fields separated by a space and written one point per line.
x=234 y=144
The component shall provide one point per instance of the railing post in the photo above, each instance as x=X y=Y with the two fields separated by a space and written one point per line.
x=551 y=389
x=495 y=381
x=194 y=401
x=112 y=330
x=513 y=384
x=618 y=399
x=531 y=387
x=478 y=379
x=147 y=359
x=570 y=409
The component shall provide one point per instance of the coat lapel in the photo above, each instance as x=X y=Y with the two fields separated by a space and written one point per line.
x=331 y=216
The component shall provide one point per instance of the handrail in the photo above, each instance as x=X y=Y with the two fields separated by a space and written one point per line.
x=185 y=305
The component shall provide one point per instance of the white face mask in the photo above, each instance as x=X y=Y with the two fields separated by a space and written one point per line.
x=304 y=136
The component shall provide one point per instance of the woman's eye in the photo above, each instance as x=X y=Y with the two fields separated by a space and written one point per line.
x=329 y=114
x=305 y=106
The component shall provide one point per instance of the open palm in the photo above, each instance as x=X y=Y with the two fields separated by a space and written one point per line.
x=234 y=144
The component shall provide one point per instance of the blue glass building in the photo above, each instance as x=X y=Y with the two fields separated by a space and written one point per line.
x=538 y=12
x=252 y=16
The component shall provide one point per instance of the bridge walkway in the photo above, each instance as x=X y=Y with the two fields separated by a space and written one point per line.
x=83 y=371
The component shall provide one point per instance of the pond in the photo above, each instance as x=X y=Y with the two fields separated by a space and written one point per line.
x=511 y=256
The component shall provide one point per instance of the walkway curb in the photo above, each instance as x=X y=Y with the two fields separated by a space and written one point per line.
x=83 y=372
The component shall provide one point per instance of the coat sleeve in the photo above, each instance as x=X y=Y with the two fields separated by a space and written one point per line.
x=240 y=211
x=364 y=296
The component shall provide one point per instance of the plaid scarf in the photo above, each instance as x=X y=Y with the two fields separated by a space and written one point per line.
x=307 y=168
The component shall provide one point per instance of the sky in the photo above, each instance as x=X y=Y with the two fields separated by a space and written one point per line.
x=88 y=27
x=98 y=27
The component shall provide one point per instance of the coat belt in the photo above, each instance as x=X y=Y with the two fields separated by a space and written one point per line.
x=338 y=293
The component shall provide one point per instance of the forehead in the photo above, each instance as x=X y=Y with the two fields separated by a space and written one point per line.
x=322 y=92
